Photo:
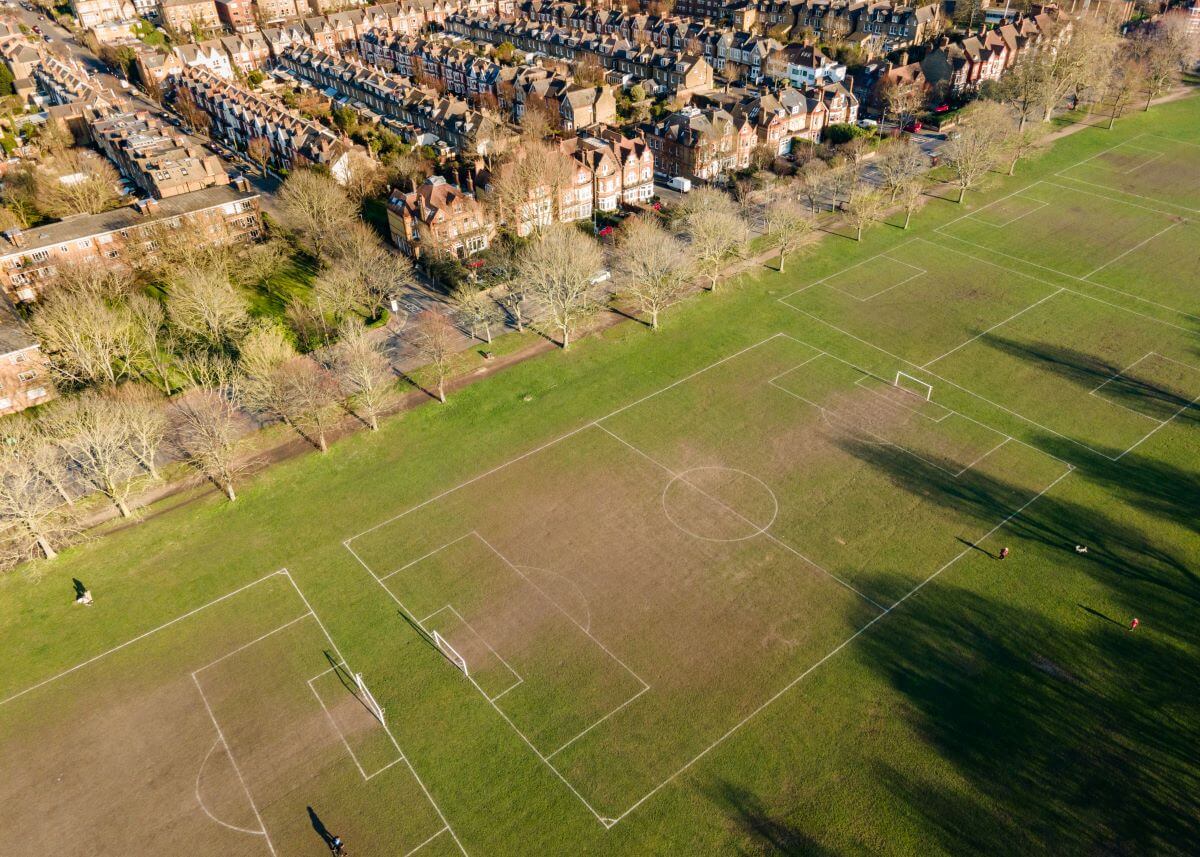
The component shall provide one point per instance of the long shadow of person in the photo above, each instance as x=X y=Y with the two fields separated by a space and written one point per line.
x=320 y=828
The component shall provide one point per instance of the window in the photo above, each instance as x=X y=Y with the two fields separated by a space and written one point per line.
x=27 y=375
x=5 y=403
x=36 y=393
x=19 y=358
x=40 y=255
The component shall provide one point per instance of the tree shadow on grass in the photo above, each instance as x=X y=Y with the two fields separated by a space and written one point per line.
x=1119 y=551
x=1069 y=742
x=770 y=833
x=1088 y=372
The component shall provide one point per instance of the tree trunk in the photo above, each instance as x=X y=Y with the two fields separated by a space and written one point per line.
x=121 y=507
x=858 y=237
x=441 y=389
x=229 y=492
x=654 y=319
x=1021 y=124
x=1012 y=168
x=487 y=332
x=321 y=444
x=373 y=421
x=962 y=193
x=782 y=259
x=47 y=550
x=907 y=218
x=566 y=337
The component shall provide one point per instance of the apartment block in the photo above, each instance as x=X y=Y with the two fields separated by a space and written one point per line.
x=160 y=160
x=30 y=258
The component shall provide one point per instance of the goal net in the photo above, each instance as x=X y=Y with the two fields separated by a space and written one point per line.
x=368 y=697
x=451 y=655
x=913 y=385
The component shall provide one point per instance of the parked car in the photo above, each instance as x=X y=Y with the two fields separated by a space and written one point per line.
x=942 y=108
x=867 y=123
x=914 y=126
x=681 y=184
x=605 y=231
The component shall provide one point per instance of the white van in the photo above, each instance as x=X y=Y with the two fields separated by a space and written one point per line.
x=680 y=184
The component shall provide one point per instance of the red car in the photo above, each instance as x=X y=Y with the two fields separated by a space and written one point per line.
x=914 y=126
x=475 y=263
x=942 y=108
x=605 y=232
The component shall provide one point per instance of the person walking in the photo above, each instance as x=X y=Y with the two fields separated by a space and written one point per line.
x=1003 y=553
x=1133 y=625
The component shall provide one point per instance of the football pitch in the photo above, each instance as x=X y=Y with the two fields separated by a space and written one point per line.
x=734 y=588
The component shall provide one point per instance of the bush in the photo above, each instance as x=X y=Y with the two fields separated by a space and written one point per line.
x=843 y=132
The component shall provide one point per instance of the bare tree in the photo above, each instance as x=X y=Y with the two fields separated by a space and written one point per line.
x=88 y=340
x=714 y=236
x=31 y=443
x=96 y=440
x=363 y=372
x=904 y=101
x=310 y=398
x=258 y=150
x=142 y=411
x=435 y=345
x=317 y=208
x=365 y=177
x=207 y=431
x=559 y=266
x=204 y=306
x=477 y=309
x=74 y=183
x=789 y=225
x=1128 y=81
x=814 y=183
x=526 y=190
x=376 y=269
x=1164 y=50
x=865 y=208
x=31 y=514
x=652 y=266
x=910 y=197
x=191 y=112
x=148 y=318
x=974 y=151
x=899 y=162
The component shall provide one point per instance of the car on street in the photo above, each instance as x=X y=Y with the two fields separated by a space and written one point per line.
x=681 y=184
x=914 y=126
x=867 y=123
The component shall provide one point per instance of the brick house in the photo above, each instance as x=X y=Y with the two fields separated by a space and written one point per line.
x=179 y=15
x=24 y=375
x=438 y=213
x=702 y=144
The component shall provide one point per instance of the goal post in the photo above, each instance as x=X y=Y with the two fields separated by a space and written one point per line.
x=451 y=654
x=369 y=697
x=913 y=385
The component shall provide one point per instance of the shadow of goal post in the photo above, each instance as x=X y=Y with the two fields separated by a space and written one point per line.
x=913 y=385
x=451 y=655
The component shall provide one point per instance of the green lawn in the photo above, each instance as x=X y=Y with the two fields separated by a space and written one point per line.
x=994 y=708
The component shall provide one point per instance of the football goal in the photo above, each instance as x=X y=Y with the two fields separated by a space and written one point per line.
x=451 y=655
x=913 y=385
x=369 y=698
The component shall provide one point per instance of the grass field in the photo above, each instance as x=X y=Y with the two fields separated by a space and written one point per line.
x=731 y=589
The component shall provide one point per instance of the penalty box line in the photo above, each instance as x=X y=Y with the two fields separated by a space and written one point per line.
x=609 y=822
x=516 y=675
x=342 y=659
x=733 y=729
x=997 y=405
x=338 y=730
x=879 y=439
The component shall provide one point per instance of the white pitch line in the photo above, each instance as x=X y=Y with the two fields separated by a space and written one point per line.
x=764 y=532
x=1135 y=247
x=237 y=770
x=998 y=324
x=828 y=656
x=254 y=642
x=142 y=636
